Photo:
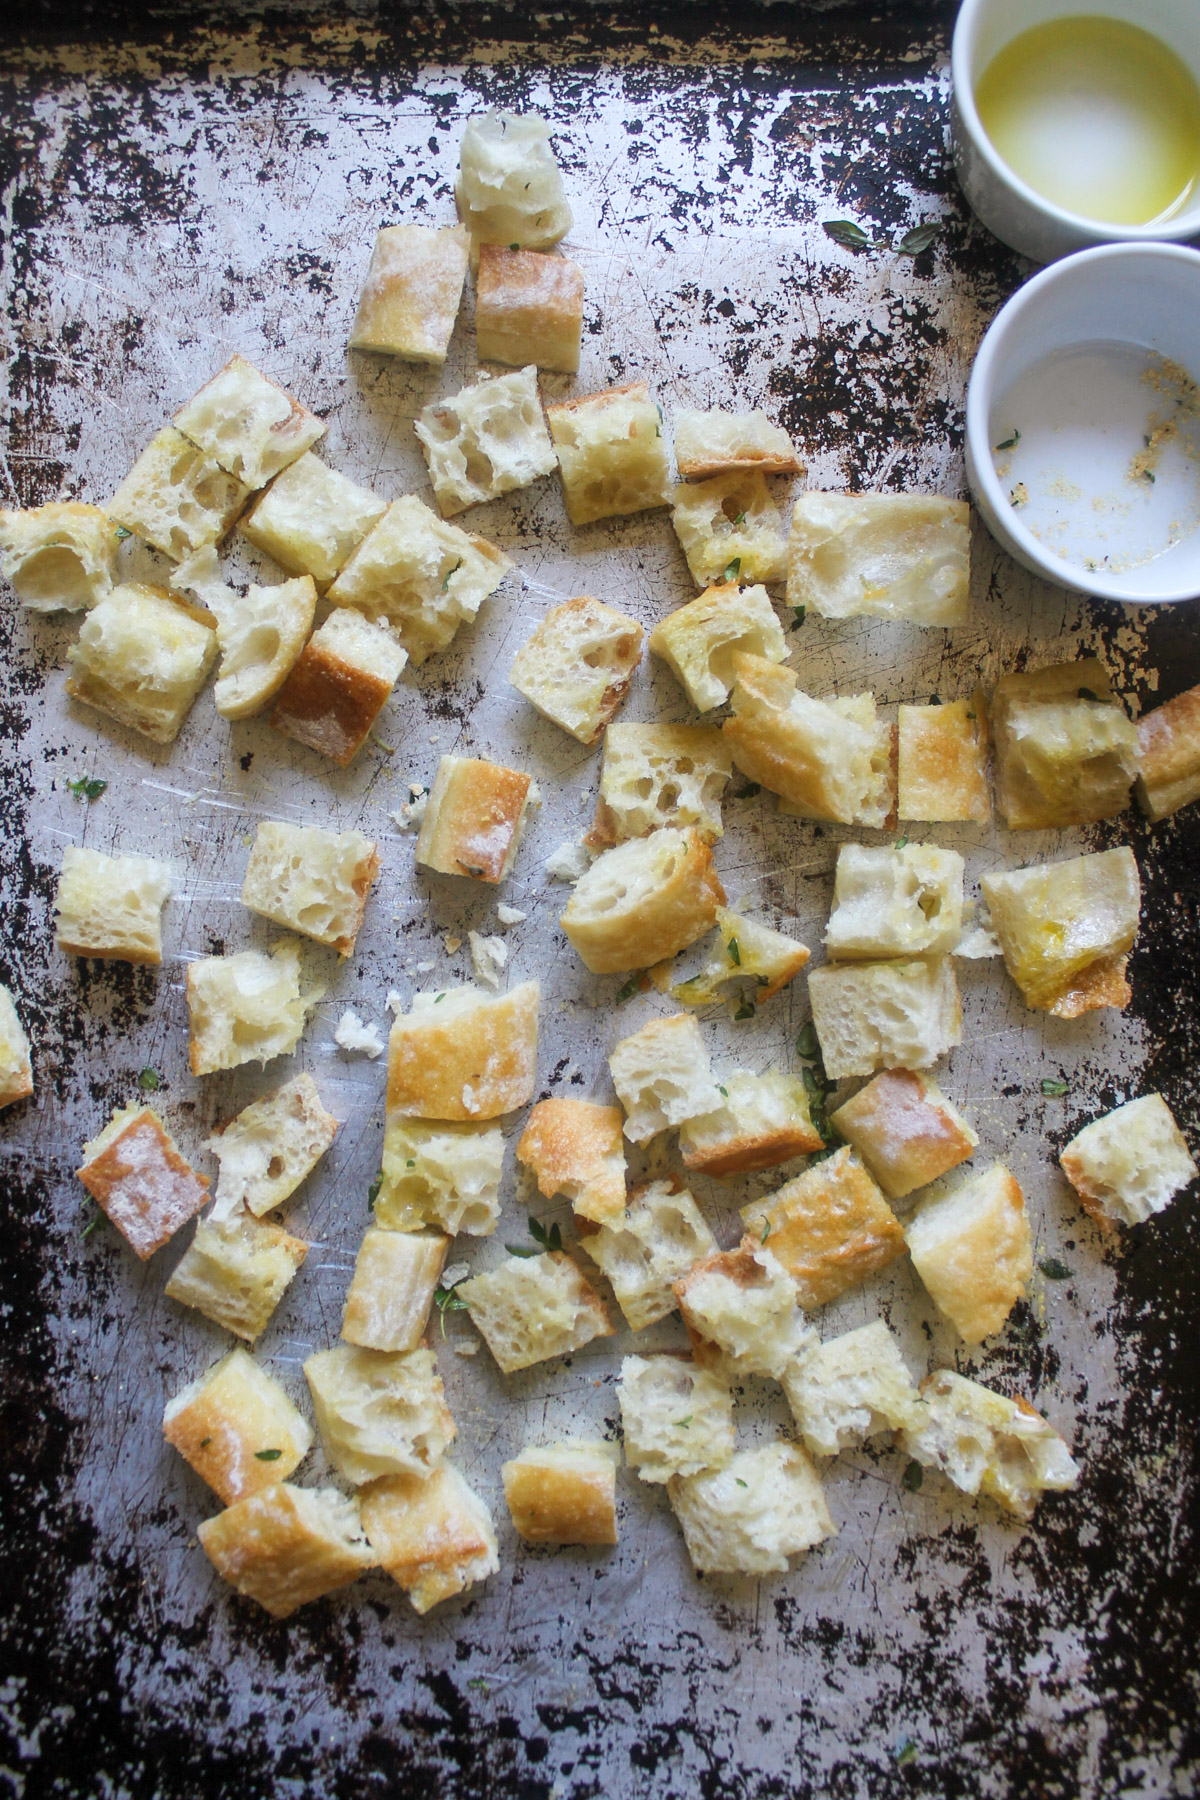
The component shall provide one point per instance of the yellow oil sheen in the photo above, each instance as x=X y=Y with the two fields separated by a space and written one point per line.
x=1098 y=117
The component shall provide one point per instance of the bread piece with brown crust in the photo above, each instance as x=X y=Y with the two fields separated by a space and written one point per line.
x=700 y=642
x=473 y=819
x=577 y=666
x=247 y=423
x=718 y=443
x=1169 y=756
x=534 y=1308
x=387 y=1307
x=237 y=1428
x=763 y=1120
x=972 y=1249
x=432 y=1534
x=285 y=1545
x=905 y=1130
x=643 y=901
x=575 y=1147
x=236 y=1271
x=565 y=1493
x=16 y=1062
x=830 y=759
x=412 y=292
x=136 y=1175
x=611 y=453
x=942 y=756
x=462 y=1054
x=528 y=308
x=1130 y=1163
x=831 y=1228
x=340 y=685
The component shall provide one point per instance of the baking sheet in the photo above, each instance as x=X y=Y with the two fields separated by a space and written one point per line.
x=177 y=187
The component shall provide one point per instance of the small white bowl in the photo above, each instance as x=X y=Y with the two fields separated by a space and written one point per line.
x=1123 y=299
x=1008 y=206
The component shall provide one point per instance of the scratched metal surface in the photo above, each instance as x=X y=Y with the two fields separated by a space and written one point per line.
x=166 y=206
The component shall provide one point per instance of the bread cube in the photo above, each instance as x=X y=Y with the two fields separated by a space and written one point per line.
x=260 y=639
x=895 y=902
x=236 y=1271
x=486 y=440
x=752 y=960
x=177 y=498
x=577 y=666
x=884 y=556
x=533 y=1308
x=246 y=1008
x=611 y=453
x=248 y=424
x=285 y=1545
x=830 y=1228
x=265 y=1153
x=941 y=768
x=1169 y=756
x=1061 y=923
x=743 y=1301
x=432 y=1534
x=643 y=901
x=311 y=518
x=110 y=906
x=830 y=759
x=58 y=557
x=421 y=575
x=443 y=1175
x=141 y=659
x=388 y=1304
x=676 y=1418
x=509 y=188
x=462 y=1054
x=339 y=685
x=762 y=1120
x=311 y=880
x=1130 y=1163
x=987 y=1444
x=575 y=1148
x=972 y=1249
x=528 y=309
x=656 y=775
x=237 y=1428
x=731 y=530
x=851 y=1388
x=750 y=1516
x=1065 y=752
x=135 y=1173
x=379 y=1413
x=412 y=293
x=564 y=1493
x=701 y=641
x=643 y=1254
x=473 y=819
x=719 y=443
x=16 y=1063
x=662 y=1076
x=885 y=1015
x=905 y=1130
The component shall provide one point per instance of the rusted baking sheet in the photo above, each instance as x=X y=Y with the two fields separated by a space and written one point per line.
x=174 y=187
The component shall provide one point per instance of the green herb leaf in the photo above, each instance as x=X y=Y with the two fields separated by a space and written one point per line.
x=1009 y=443
x=846 y=233
x=735 y=953
x=626 y=992
x=267 y=1455
x=907 y=1753
x=732 y=569
x=205 y=1442
x=458 y=565
x=740 y=1482
x=1087 y=694
x=439 y=998
x=448 y=1299
x=549 y=1240
x=123 y=532
x=523 y=1250
x=411 y=1163
x=85 y=789
x=477 y=1682
x=912 y=1478
x=807 y=1045
x=1150 y=476
x=766 y=1231
x=746 y=1009
x=1054 y=1270
x=685 y=1421
x=514 y=246
x=373 y=1191
x=740 y=518
x=919 y=238
x=901 y=842
x=1054 y=1090
x=799 y=614
x=149 y=1081
x=92 y=1223
x=723 y=1090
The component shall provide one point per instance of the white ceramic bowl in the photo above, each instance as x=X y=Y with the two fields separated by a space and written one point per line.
x=1143 y=296
x=1009 y=207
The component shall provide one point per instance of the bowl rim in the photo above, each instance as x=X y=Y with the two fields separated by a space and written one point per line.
x=981 y=385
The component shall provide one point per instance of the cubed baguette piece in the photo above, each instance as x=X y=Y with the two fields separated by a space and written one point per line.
x=988 y=1444
x=743 y=1302
x=663 y=1077
x=141 y=658
x=246 y=1008
x=575 y=1148
x=731 y=530
x=533 y=1308
x=236 y=1271
x=473 y=819
x=462 y=1054
x=285 y=1545
x=941 y=767
x=412 y=292
x=528 y=309
x=509 y=188
x=1169 y=756
x=136 y=1175
x=762 y=1120
x=260 y=639
x=905 y=1130
x=265 y=1153
x=701 y=641
x=311 y=518
x=431 y=1533
x=752 y=961
x=750 y=1516
x=378 y=1413
x=577 y=666
x=310 y=880
x=662 y=1234
x=248 y=424
x=1066 y=754
x=1061 y=925
x=564 y=1493
x=830 y=1228
x=716 y=443
x=237 y=1428
x=611 y=453
x=657 y=775
x=895 y=902
x=339 y=685
x=387 y=1307
x=110 y=906
x=61 y=557
x=888 y=556
x=486 y=440
x=643 y=901
x=850 y=1388
x=885 y=1015
x=421 y=575
x=676 y=1418
x=1129 y=1164
x=829 y=759
x=973 y=1250
x=440 y=1174
x=177 y=498
x=16 y=1061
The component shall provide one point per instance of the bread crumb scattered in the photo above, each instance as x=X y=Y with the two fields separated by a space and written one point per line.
x=509 y=915
x=357 y=1038
x=489 y=955
x=568 y=862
